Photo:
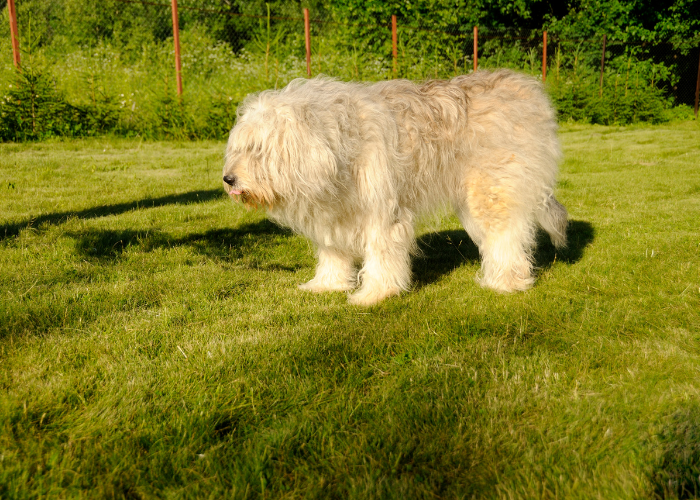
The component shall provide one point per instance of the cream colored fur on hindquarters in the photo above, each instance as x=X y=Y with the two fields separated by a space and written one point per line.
x=352 y=166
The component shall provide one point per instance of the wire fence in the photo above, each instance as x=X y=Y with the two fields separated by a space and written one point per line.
x=221 y=51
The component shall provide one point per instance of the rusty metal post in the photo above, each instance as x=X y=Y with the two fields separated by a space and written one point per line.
x=307 y=38
x=13 y=33
x=394 y=50
x=544 y=56
x=176 y=41
x=602 y=64
x=697 y=90
x=476 y=47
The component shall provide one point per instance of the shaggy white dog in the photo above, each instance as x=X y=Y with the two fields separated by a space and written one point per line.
x=351 y=166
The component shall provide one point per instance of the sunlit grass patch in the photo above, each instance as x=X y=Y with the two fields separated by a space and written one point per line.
x=154 y=341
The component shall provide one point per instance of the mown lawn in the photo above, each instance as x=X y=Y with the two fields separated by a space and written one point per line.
x=153 y=341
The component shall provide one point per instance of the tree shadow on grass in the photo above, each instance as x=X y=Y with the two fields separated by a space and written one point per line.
x=442 y=252
x=11 y=230
x=677 y=473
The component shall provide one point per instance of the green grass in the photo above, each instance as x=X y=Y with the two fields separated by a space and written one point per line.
x=153 y=341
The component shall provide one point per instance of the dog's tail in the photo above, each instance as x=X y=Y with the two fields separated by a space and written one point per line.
x=554 y=219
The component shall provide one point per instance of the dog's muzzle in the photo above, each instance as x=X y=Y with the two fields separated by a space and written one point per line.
x=231 y=181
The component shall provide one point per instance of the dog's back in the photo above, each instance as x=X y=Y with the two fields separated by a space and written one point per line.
x=508 y=109
x=431 y=121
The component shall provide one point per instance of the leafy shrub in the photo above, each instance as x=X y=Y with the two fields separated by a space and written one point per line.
x=33 y=109
x=626 y=97
x=120 y=88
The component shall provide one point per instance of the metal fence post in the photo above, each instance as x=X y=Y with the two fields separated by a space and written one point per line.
x=13 y=33
x=544 y=56
x=176 y=41
x=307 y=39
x=476 y=47
x=394 y=50
x=602 y=64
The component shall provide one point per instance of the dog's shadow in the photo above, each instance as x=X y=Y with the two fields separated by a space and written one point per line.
x=221 y=244
x=53 y=219
x=440 y=253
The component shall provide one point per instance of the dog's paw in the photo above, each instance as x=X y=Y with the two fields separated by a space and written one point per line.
x=369 y=297
x=320 y=286
x=506 y=284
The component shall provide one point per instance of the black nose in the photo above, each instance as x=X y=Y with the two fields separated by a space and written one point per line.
x=230 y=179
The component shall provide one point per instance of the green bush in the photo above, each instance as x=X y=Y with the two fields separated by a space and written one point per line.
x=131 y=101
x=578 y=97
x=33 y=109
x=125 y=88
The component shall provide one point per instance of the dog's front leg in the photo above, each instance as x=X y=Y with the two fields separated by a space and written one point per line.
x=334 y=272
x=386 y=269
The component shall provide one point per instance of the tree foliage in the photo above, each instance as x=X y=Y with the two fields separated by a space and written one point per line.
x=79 y=22
x=92 y=67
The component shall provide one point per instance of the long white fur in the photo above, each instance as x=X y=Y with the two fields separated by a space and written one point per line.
x=352 y=166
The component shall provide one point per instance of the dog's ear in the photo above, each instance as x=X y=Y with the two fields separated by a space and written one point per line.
x=307 y=164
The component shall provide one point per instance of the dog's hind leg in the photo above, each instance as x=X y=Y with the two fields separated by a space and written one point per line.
x=500 y=225
x=334 y=272
x=386 y=269
x=476 y=233
x=506 y=264
x=554 y=219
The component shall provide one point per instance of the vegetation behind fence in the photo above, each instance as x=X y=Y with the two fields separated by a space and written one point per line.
x=109 y=67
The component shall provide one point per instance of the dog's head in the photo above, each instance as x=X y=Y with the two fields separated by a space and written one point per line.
x=277 y=152
x=248 y=157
